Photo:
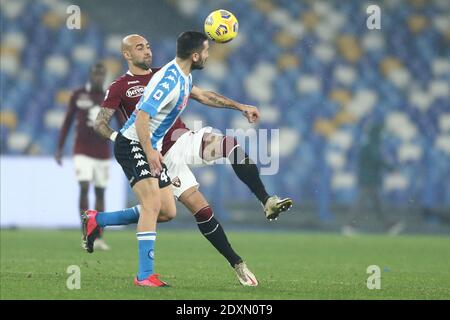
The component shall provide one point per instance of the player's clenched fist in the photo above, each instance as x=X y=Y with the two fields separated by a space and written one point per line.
x=251 y=113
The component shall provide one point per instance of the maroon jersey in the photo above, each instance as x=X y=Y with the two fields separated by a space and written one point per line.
x=124 y=94
x=85 y=106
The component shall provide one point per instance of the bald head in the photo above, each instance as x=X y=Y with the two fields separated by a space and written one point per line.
x=132 y=40
x=136 y=50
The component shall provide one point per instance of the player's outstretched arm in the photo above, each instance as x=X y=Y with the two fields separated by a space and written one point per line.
x=101 y=124
x=216 y=100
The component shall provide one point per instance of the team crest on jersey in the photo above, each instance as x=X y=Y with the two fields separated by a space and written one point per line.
x=176 y=182
x=135 y=91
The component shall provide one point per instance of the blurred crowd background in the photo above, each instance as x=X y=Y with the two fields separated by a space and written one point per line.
x=364 y=115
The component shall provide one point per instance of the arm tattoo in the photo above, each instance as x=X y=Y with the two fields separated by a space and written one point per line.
x=101 y=125
x=217 y=100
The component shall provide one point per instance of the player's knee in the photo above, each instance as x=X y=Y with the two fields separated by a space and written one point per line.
x=167 y=214
x=168 y=210
x=193 y=200
x=162 y=219
x=168 y=207
x=171 y=213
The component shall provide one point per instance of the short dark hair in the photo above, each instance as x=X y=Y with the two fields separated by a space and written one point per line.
x=189 y=42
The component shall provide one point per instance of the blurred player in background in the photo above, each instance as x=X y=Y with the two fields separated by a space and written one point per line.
x=370 y=174
x=91 y=152
x=202 y=145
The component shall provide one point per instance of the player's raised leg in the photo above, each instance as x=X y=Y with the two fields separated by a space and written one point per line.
x=213 y=231
x=216 y=146
x=102 y=219
x=94 y=221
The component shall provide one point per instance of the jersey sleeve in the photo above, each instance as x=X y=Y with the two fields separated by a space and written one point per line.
x=160 y=91
x=112 y=98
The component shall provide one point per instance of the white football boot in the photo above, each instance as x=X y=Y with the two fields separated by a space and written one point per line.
x=245 y=276
x=274 y=206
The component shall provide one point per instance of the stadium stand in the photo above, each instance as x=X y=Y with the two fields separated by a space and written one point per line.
x=317 y=73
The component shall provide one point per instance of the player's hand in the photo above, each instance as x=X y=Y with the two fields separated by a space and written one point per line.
x=58 y=157
x=251 y=113
x=155 y=160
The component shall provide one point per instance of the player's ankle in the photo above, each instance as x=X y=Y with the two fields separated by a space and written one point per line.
x=237 y=263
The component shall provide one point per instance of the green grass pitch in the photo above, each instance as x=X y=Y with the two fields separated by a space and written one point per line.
x=287 y=265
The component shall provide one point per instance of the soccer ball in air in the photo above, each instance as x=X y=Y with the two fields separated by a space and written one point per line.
x=221 y=26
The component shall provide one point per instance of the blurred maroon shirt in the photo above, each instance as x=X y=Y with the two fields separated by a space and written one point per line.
x=84 y=105
x=123 y=95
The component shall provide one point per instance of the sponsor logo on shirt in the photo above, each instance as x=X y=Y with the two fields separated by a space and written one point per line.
x=135 y=91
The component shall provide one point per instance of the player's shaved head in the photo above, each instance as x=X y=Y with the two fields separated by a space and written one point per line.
x=131 y=41
x=136 y=50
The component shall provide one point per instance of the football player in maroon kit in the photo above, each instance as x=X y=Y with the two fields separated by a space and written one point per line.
x=182 y=147
x=91 y=152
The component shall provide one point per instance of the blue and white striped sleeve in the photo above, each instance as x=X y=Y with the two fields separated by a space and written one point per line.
x=159 y=92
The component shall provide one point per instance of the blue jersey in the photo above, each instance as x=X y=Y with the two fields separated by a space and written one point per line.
x=164 y=98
